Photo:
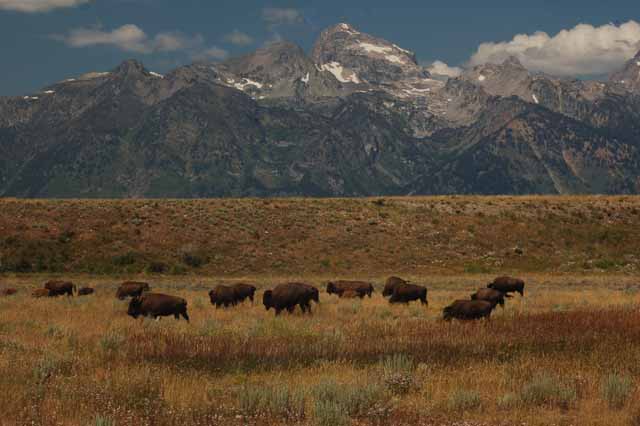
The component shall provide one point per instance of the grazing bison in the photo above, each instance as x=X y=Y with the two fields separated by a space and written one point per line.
x=41 y=292
x=131 y=289
x=58 y=288
x=157 y=305
x=8 y=291
x=340 y=287
x=490 y=295
x=508 y=285
x=223 y=295
x=350 y=294
x=468 y=310
x=390 y=284
x=405 y=293
x=287 y=296
x=244 y=291
x=85 y=291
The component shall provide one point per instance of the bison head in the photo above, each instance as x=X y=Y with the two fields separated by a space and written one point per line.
x=315 y=295
x=212 y=296
x=134 y=307
x=266 y=299
x=331 y=288
x=447 y=314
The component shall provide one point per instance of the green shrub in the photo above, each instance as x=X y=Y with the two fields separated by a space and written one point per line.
x=616 y=390
x=330 y=413
x=397 y=373
x=464 y=400
x=156 y=268
x=276 y=401
x=354 y=400
x=508 y=401
x=104 y=421
x=111 y=342
x=547 y=390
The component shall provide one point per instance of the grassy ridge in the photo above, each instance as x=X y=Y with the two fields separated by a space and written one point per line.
x=321 y=236
x=565 y=354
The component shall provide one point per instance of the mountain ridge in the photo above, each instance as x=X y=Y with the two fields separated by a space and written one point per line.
x=357 y=116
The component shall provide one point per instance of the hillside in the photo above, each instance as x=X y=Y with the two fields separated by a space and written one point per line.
x=346 y=237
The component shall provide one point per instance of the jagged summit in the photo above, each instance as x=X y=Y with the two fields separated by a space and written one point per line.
x=629 y=76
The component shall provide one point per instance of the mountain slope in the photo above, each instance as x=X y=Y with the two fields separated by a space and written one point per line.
x=359 y=116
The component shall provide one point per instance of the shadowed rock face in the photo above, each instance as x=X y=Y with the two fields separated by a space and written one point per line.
x=357 y=117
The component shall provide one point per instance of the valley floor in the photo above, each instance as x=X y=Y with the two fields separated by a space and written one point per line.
x=565 y=354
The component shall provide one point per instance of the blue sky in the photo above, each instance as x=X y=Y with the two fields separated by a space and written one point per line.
x=45 y=41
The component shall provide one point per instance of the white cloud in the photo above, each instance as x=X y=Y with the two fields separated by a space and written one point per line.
x=238 y=38
x=440 y=68
x=278 y=16
x=32 y=6
x=214 y=52
x=131 y=38
x=582 y=50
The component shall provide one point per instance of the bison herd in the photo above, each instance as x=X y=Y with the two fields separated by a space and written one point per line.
x=289 y=295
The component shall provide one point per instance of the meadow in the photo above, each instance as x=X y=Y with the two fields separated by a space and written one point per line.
x=566 y=354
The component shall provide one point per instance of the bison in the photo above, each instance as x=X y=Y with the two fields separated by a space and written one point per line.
x=41 y=292
x=287 y=296
x=223 y=295
x=8 y=291
x=58 y=288
x=508 y=285
x=468 y=310
x=131 y=289
x=350 y=294
x=158 y=305
x=390 y=284
x=490 y=295
x=85 y=291
x=244 y=291
x=405 y=293
x=340 y=287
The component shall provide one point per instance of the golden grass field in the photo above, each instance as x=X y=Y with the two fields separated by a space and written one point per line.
x=568 y=353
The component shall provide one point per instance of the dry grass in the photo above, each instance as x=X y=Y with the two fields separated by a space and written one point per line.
x=421 y=235
x=565 y=354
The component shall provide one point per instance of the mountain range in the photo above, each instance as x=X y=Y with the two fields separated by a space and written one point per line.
x=357 y=116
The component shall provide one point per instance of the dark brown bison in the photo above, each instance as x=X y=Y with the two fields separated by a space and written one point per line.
x=339 y=287
x=390 y=284
x=8 y=291
x=157 y=305
x=508 y=285
x=490 y=295
x=244 y=291
x=350 y=294
x=405 y=293
x=223 y=295
x=468 y=310
x=131 y=289
x=287 y=296
x=41 y=292
x=85 y=291
x=58 y=288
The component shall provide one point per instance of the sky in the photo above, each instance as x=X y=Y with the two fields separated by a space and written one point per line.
x=45 y=41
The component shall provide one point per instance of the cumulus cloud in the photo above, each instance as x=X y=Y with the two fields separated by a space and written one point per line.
x=130 y=38
x=582 y=50
x=440 y=68
x=280 y=16
x=214 y=53
x=238 y=38
x=33 y=6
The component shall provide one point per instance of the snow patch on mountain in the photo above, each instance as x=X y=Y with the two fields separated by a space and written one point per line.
x=338 y=71
x=155 y=74
x=383 y=50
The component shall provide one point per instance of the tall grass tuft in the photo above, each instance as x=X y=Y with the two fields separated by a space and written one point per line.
x=397 y=373
x=464 y=400
x=548 y=390
x=616 y=390
x=272 y=400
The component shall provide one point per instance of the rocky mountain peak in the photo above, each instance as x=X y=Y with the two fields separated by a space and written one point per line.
x=357 y=57
x=130 y=67
x=629 y=76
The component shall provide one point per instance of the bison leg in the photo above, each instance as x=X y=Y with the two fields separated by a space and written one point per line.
x=291 y=309
x=184 y=315
x=278 y=311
